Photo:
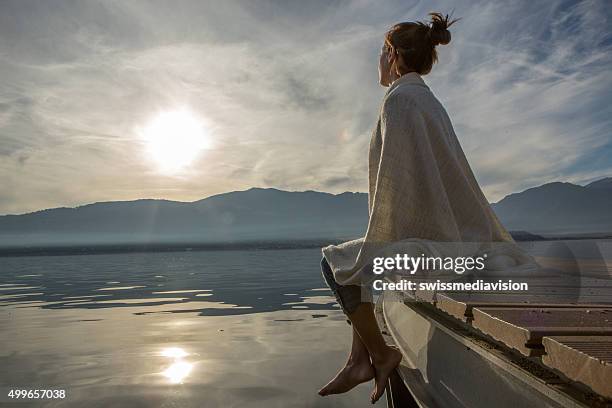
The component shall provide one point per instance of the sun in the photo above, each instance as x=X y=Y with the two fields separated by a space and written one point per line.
x=173 y=139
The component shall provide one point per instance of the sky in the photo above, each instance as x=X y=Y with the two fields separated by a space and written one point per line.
x=285 y=94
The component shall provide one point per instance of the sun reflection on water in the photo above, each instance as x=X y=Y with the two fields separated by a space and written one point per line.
x=179 y=369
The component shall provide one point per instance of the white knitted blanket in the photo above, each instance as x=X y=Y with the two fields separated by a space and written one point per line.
x=422 y=192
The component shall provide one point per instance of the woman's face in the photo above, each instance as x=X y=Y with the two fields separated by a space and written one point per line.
x=386 y=74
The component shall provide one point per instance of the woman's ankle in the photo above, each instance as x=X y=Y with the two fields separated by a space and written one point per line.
x=356 y=359
x=382 y=356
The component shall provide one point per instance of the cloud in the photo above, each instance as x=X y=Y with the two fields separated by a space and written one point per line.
x=290 y=91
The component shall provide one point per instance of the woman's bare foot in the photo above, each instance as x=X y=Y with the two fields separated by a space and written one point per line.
x=383 y=366
x=353 y=374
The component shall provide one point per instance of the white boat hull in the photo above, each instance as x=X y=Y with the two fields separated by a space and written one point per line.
x=443 y=369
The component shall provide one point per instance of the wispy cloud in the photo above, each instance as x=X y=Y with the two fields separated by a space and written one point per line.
x=291 y=93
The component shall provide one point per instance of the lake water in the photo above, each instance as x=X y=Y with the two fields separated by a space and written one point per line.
x=253 y=328
x=216 y=328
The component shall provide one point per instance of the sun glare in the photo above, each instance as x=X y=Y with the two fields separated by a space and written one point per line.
x=174 y=139
x=178 y=371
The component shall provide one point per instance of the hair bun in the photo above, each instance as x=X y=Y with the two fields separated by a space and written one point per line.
x=438 y=30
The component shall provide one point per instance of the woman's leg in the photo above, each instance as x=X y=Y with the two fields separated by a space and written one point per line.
x=384 y=358
x=358 y=369
x=367 y=341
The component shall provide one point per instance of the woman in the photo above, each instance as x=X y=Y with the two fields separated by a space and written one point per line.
x=421 y=189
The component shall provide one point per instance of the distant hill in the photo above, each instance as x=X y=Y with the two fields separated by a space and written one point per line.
x=266 y=214
x=559 y=208
x=603 y=183
x=254 y=214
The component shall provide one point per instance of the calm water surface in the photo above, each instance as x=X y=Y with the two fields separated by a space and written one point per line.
x=173 y=329
x=252 y=328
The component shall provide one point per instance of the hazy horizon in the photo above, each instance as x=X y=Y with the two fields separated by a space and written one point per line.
x=227 y=192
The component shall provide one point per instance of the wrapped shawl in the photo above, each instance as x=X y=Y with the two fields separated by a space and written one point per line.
x=422 y=191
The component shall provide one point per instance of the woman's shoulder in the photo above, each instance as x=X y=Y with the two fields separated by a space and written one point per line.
x=400 y=101
x=409 y=98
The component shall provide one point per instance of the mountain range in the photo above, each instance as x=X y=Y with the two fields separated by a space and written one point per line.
x=559 y=208
x=268 y=214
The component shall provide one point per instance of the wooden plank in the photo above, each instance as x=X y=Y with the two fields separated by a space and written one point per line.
x=569 y=290
x=571 y=281
x=575 y=290
x=586 y=359
x=523 y=328
x=532 y=377
x=460 y=305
